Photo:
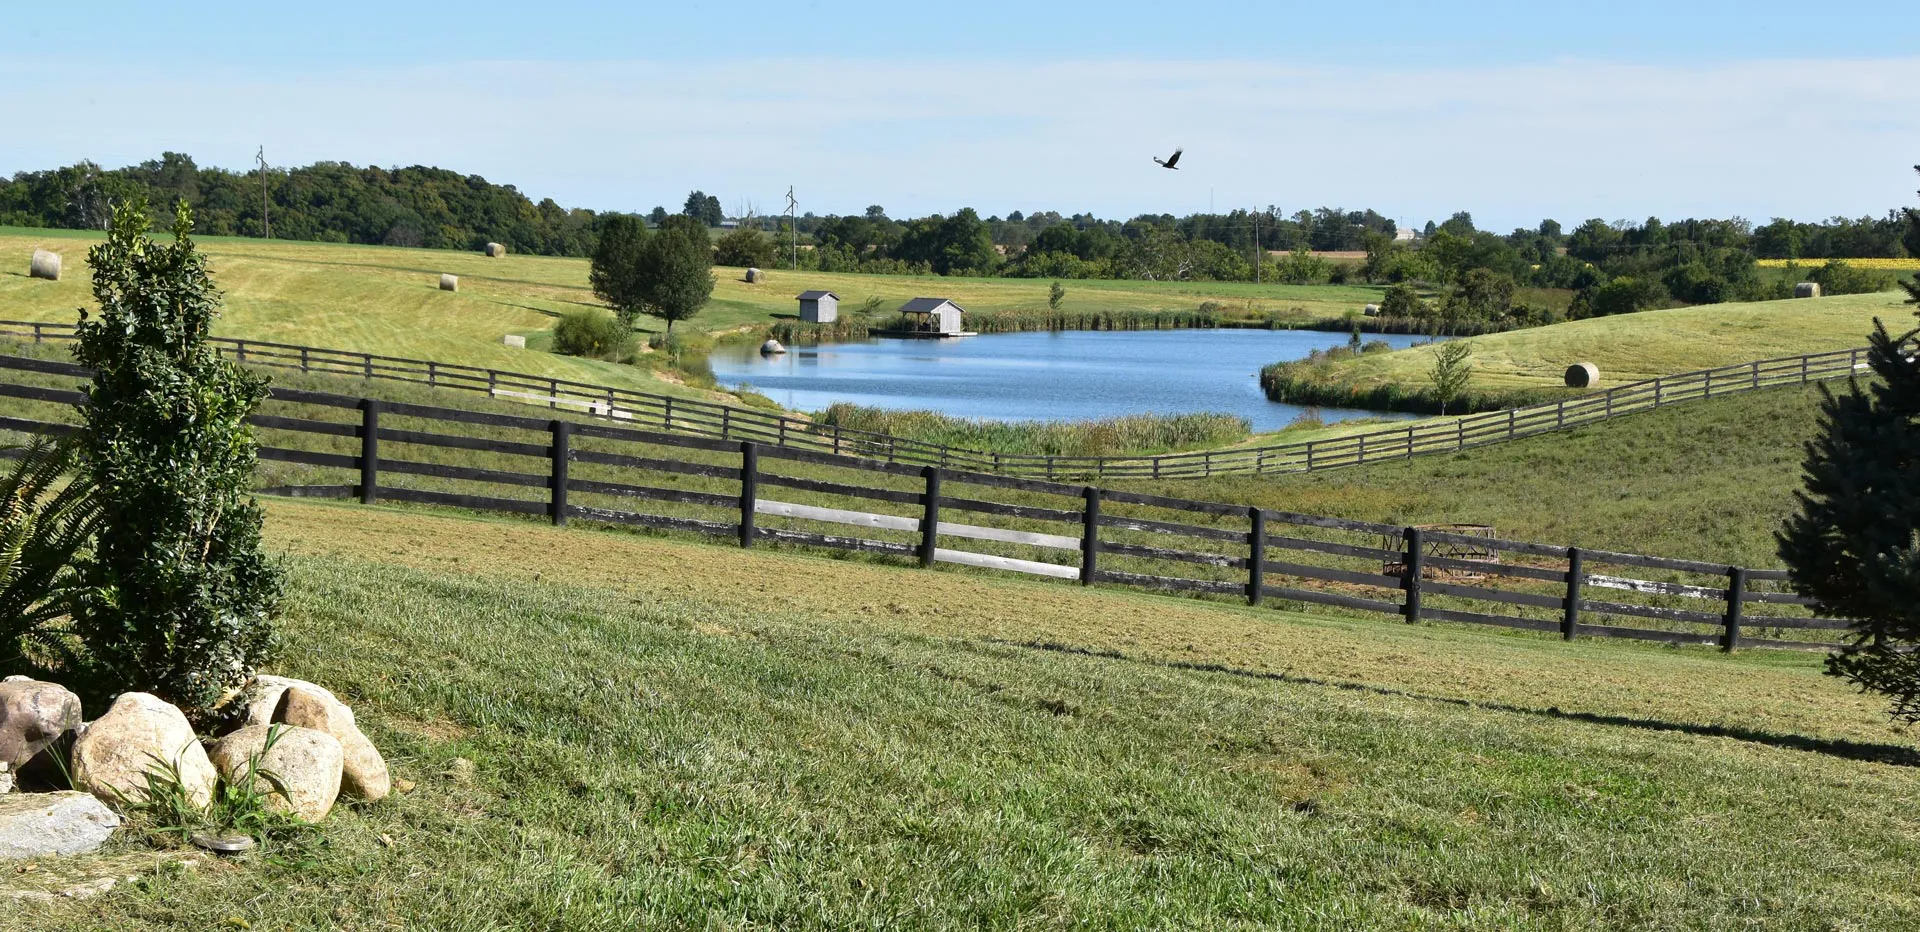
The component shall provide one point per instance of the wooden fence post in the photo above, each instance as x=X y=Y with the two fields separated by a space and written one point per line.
x=562 y=453
x=1576 y=578
x=749 y=489
x=1411 y=569
x=1256 y=555
x=726 y=423
x=930 y=516
x=369 y=451
x=1736 y=599
x=1090 y=537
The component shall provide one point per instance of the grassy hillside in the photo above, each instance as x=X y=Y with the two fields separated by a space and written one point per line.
x=1707 y=480
x=1632 y=347
x=387 y=300
x=672 y=735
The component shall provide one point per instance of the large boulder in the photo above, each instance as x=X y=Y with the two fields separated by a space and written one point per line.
x=33 y=713
x=301 y=770
x=38 y=825
x=263 y=693
x=364 y=773
x=112 y=758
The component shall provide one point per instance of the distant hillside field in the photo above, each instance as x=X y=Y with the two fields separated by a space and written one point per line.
x=1632 y=347
x=387 y=300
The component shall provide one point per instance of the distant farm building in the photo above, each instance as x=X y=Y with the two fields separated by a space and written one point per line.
x=819 y=307
x=932 y=315
x=1404 y=235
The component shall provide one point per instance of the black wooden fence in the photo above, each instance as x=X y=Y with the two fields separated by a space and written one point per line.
x=319 y=444
x=728 y=423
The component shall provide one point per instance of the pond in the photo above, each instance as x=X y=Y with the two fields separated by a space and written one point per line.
x=1068 y=375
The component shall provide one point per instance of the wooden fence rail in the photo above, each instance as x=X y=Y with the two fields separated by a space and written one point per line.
x=702 y=418
x=318 y=444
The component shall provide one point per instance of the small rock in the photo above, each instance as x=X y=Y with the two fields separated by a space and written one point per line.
x=33 y=714
x=305 y=762
x=459 y=770
x=35 y=825
x=6 y=778
x=112 y=758
x=365 y=772
x=223 y=844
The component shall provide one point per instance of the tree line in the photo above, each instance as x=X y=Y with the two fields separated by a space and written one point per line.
x=1453 y=276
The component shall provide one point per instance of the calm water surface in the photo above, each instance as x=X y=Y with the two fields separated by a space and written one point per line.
x=1070 y=375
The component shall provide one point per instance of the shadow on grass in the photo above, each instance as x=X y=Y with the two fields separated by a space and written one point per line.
x=1896 y=755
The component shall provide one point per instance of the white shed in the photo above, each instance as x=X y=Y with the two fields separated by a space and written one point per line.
x=933 y=315
x=819 y=307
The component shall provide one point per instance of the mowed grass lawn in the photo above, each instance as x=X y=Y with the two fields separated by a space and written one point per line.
x=387 y=300
x=670 y=735
x=1632 y=347
x=1703 y=480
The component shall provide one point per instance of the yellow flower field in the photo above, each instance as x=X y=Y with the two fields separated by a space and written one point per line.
x=1884 y=265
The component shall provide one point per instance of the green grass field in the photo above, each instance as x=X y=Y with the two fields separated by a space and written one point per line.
x=678 y=735
x=386 y=300
x=1704 y=480
x=1632 y=347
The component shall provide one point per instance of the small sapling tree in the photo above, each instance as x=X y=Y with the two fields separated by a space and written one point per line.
x=1056 y=293
x=1854 y=546
x=176 y=596
x=1452 y=369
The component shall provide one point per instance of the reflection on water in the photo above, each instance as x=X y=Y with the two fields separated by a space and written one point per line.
x=1071 y=375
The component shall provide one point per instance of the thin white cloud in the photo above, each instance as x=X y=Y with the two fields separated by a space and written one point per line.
x=1570 y=139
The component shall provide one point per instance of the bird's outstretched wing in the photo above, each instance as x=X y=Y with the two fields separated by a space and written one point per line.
x=1173 y=161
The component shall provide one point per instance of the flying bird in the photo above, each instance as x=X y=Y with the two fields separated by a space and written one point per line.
x=1171 y=161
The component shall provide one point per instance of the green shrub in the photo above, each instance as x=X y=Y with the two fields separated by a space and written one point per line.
x=593 y=334
x=177 y=595
x=1837 y=277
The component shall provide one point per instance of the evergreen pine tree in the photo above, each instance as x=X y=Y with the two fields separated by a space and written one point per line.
x=177 y=594
x=1854 y=546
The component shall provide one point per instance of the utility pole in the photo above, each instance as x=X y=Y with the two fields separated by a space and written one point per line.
x=265 y=221
x=793 y=225
x=1258 y=253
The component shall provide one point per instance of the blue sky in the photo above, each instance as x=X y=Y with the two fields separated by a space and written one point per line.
x=1513 y=111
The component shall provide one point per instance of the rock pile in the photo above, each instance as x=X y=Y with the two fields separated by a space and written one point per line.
x=297 y=745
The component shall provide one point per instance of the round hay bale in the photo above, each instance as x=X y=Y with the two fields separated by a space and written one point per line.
x=449 y=282
x=753 y=276
x=44 y=265
x=1583 y=375
x=1807 y=290
x=1371 y=310
x=496 y=251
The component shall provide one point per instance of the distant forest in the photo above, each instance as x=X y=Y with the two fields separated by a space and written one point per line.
x=1646 y=263
x=331 y=202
